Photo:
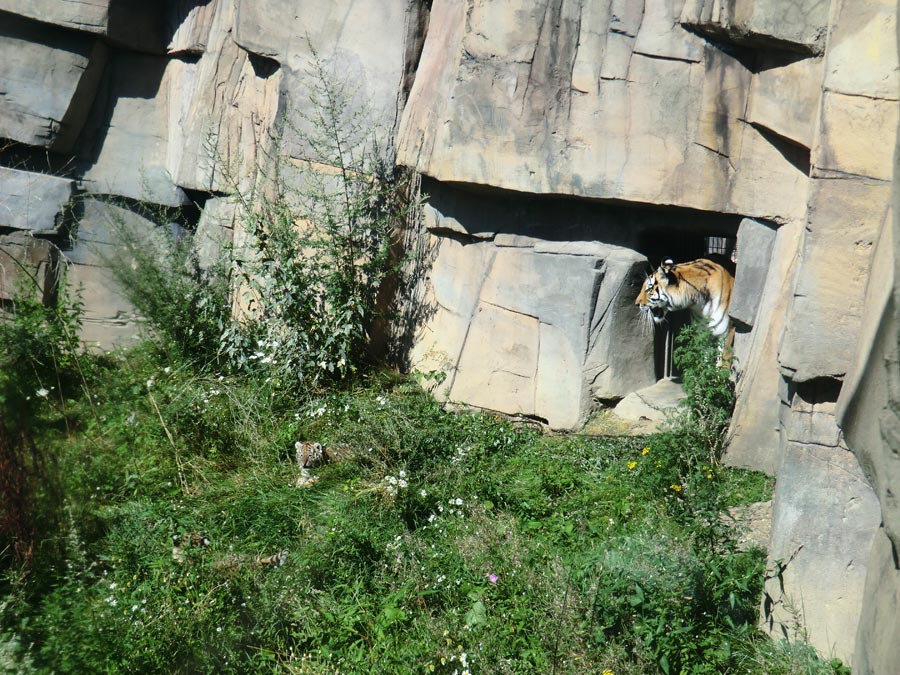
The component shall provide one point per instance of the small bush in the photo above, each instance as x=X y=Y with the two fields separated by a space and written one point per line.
x=294 y=300
x=707 y=383
x=186 y=308
x=40 y=352
x=318 y=244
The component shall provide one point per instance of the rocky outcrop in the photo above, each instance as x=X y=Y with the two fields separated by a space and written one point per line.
x=594 y=100
x=564 y=148
x=825 y=517
x=799 y=25
x=49 y=80
x=519 y=314
x=33 y=202
x=166 y=104
x=869 y=410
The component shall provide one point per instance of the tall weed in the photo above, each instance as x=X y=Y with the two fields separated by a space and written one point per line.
x=318 y=235
x=294 y=299
x=186 y=308
x=41 y=365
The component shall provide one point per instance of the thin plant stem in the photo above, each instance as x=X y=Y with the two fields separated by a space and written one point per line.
x=178 y=463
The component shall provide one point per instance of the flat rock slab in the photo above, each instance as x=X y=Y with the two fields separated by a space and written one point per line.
x=33 y=201
x=648 y=407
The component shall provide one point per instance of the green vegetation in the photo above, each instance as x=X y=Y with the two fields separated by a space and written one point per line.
x=446 y=542
x=153 y=522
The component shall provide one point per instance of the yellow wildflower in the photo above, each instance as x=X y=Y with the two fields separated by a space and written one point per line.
x=645 y=451
x=709 y=475
x=632 y=465
x=675 y=487
x=607 y=672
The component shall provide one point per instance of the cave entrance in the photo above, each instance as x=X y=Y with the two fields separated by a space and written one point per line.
x=681 y=247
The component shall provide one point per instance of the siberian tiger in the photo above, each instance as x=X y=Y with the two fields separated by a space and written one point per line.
x=312 y=454
x=182 y=542
x=309 y=454
x=703 y=286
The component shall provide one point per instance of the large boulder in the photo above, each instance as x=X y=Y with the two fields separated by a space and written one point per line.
x=127 y=151
x=135 y=24
x=754 y=435
x=799 y=25
x=529 y=323
x=224 y=109
x=823 y=321
x=109 y=318
x=869 y=411
x=190 y=25
x=49 y=78
x=361 y=44
x=838 y=297
x=83 y=15
x=784 y=96
x=595 y=100
x=754 y=244
x=34 y=202
x=825 y=517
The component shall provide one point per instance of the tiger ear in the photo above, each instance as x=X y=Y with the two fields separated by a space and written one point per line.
x=665 y=270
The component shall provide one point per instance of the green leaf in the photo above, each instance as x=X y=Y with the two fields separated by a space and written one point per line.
x=637 y=597
x=664 y=664
x=477 y=616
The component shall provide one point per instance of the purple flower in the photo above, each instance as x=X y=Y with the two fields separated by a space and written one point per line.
x=492 y=578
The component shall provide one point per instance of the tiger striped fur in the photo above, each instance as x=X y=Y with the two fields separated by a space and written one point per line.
x=702 y=286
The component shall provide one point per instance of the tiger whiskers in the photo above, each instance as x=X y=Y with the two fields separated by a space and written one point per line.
x=648 y=325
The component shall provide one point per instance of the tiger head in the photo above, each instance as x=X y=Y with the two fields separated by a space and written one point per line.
x=309 y=453
x=653 y=300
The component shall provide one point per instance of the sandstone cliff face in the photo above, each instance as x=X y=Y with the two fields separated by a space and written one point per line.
x=564 y=145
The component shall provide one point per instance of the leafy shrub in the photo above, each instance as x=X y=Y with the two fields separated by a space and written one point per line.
x=683 y=610
x=40 y=352
x=685 y=457
x=15 y=658
x=707 y=383
x=318 y=243
x=186 y=308
x=688 y=602
x=295 y=298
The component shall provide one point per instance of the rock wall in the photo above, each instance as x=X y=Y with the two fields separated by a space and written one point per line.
x=564 y=145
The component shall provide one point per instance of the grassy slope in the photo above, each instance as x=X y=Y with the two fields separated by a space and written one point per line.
x=446 y=543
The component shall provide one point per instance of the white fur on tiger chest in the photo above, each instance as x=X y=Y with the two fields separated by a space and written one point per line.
x=717 y=316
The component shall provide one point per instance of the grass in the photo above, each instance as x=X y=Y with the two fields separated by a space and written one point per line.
x=444 y=542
